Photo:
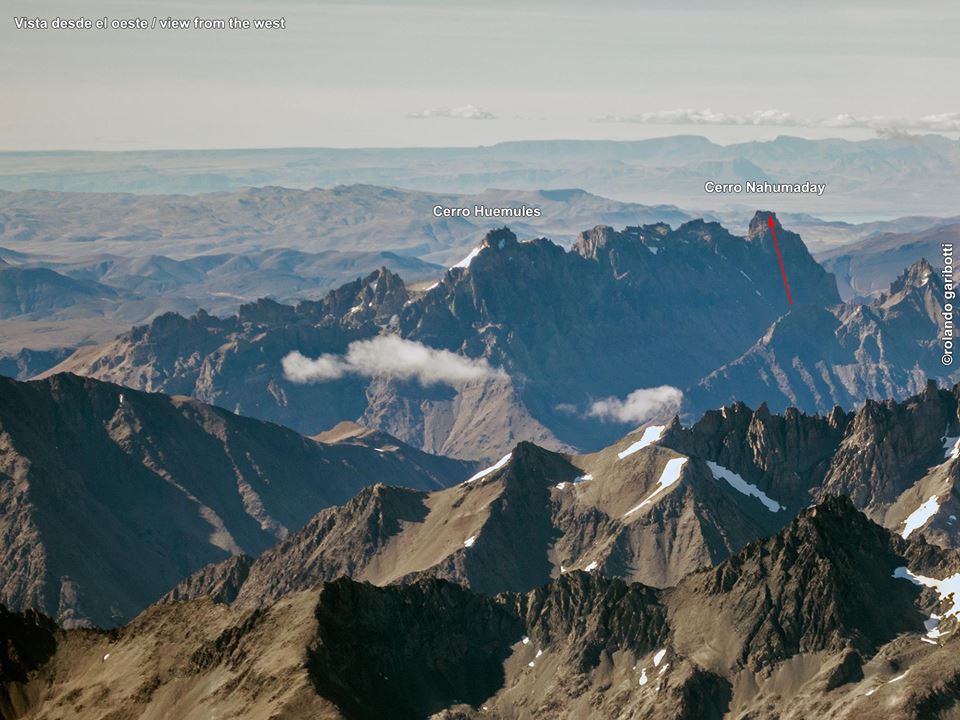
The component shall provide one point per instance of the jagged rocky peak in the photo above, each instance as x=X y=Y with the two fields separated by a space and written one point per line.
x=265 y=312
x=703 y=231
x=529 y=465
x=760 y=225
x=173 y=325
x=888 y=444
x=590 y=242
x=571 y=607
x=919 y=275
x=785 y=455
x=499 y=239
x=377 y=297
x=826 y=582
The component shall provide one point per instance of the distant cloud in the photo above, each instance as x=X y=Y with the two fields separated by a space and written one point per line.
x=389 y=356
x=687 y=116
x=778 y=118
x=464 y=112
x=639 y=406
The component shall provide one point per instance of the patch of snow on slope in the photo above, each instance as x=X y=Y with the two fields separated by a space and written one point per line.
x=470 y=541
x=591 y=567
x=658 y=658
x=582 y=478
x=465 y=263
x=919 y=517
x=493 y=468
x=951 y=448
x=650 y=436
x=670 y=475
x=742 y=486
x=948 y=588
x=643 y=677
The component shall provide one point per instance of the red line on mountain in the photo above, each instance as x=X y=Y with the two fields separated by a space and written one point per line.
x=773 y=231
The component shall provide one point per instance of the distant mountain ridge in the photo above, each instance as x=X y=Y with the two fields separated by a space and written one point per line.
x=530 y=309
x=866 y=177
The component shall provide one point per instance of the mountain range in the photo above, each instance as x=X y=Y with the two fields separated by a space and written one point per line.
x=518 y=324
x=826 y=617
x=911 y=173
x=110 y=496
x=684 y=571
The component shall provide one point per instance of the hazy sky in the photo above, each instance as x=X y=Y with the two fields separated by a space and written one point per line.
x=456 y=73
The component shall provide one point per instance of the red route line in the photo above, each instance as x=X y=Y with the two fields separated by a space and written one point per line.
x=773 y=231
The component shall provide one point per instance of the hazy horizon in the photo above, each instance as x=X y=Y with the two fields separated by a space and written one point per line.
x=427 y=74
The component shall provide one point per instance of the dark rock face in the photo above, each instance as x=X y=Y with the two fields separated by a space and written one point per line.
x=786 y=455
x=450 y=648
x=888 y=445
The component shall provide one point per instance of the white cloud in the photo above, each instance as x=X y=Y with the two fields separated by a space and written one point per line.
x=639 y=406
x=948 y=122
x=389 y=356
x=688 y=116
x=464 y=112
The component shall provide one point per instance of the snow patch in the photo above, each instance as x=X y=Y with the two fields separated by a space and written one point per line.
x=951 y=448
x=493 y=468
x=431 y=287
x=669 y=476
x=582 y=478
x=539 y=653
x=591 y=567
x=105 y=657
x=742 y=486
x=948 y=588
x=525 y=640
x=658 y=658
x=562 y=486
x=465 y=263
x=650 y=436
x=643 y=677
x=664 y=668
x=746 y=276
x=919 y=517
x=470 y=541
x=898 y=677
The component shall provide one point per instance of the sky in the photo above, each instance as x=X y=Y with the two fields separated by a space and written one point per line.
x=385 y=74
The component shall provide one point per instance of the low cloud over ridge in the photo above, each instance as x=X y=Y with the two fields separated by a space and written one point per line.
x=389 y=356
x=639 y=406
